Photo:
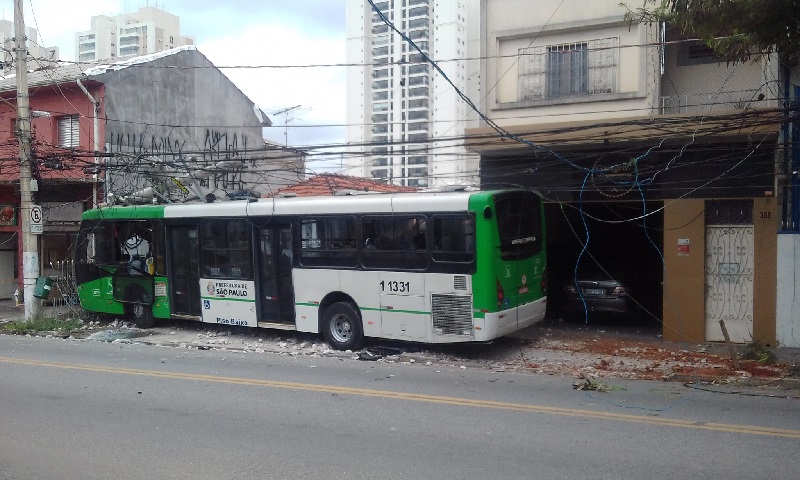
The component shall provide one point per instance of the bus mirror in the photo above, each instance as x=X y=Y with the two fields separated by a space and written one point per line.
x=487 y=213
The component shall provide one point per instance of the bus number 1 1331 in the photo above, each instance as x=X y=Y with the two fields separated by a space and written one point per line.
x=395 y=286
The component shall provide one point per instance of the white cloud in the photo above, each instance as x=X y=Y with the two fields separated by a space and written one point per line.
x=319 y=90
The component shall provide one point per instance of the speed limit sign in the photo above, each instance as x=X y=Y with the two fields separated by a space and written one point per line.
x=37 y=220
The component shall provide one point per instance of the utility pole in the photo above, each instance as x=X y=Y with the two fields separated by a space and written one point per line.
x=30 y=242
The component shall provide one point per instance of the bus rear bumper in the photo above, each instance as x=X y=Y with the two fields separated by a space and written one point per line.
x=505 y=322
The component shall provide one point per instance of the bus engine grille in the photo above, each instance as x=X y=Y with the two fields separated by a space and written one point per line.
x=452 y=314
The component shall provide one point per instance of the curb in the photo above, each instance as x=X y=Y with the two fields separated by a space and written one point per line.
x=784 y=383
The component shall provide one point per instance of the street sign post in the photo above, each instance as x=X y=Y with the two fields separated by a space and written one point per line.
x=37 y=220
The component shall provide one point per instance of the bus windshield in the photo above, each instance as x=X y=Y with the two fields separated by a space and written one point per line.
x=519 y=223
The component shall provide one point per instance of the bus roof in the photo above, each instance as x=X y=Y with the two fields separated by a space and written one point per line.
x=378 y=203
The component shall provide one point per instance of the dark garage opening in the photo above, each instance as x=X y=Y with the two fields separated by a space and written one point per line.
x=623 y=243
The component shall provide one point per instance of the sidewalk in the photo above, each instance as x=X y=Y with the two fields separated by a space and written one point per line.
x=640 y=352
x=552 y=347
x=11 y=312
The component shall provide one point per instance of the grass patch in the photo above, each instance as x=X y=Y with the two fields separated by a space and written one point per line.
x=595 y=385
x=758 y=352
x=43 y=324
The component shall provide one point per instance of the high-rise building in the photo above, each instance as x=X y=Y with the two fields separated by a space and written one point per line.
x=149 y=30
x=405 y=120
x=39 y=57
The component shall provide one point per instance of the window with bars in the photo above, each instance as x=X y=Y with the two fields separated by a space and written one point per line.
x=68 y=131
x=568 y=70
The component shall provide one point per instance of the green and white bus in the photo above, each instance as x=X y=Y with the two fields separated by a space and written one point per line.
x=443 y=267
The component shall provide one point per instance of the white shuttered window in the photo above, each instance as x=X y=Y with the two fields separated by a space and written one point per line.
x=68 y=131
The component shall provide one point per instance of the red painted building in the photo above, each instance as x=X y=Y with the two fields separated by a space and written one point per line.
x=66 y=108
x=163 y=122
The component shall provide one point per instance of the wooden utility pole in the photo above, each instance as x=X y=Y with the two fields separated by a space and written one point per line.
x=30 y=242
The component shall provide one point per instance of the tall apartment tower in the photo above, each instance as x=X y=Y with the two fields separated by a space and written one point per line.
x=405 y=121
x=149 y=30
x=38 y=57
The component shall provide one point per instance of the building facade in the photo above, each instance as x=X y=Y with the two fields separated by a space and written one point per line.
x=149 y=30
x=104 y=135
x=195 y=137
x=656 y=159
x=64 y=181
x=405 y=118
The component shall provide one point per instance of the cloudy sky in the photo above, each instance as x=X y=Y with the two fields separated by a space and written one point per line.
x=243 y=33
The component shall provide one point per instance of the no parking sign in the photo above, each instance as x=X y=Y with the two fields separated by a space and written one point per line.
x=37 y=220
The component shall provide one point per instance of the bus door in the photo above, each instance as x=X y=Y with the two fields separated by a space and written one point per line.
x=184 y=264
x=276 y=293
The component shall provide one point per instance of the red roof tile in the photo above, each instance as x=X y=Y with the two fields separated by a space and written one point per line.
x=329 y=184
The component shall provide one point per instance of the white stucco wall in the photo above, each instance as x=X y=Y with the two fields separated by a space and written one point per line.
x=788 y=292
x=515 y=25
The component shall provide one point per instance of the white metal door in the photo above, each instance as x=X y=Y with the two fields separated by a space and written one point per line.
x=729 y=282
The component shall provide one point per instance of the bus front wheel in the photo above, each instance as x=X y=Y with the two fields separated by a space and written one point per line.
x=141 y=315
x=341 y=325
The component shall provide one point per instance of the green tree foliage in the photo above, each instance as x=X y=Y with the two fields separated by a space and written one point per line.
x=737 y=30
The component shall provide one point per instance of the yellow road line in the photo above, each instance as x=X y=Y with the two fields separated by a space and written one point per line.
x=438 y=399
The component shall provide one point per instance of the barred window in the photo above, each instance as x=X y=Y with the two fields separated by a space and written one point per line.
x=567 y=70
x=575 y=69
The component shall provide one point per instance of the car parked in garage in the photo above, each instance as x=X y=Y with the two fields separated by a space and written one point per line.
x=598 y=291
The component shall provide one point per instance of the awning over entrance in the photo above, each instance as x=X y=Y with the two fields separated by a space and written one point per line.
x=752 y=124
x=656 y=158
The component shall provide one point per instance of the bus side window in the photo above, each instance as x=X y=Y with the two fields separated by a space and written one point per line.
x=454 y=239
x=418 y=226
x=394 y=242
x=226 y=250
x=328 y=242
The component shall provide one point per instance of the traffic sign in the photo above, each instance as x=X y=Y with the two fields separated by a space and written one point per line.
x=37 y=220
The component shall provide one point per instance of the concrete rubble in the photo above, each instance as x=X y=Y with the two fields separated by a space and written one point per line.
x=553 y=347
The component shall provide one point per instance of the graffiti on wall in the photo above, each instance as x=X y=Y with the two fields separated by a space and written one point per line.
x=146 y=145
x=219 y=146
x=145 y=152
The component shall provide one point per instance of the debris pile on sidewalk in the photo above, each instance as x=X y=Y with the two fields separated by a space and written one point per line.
x=553 y=348
x=641 y=359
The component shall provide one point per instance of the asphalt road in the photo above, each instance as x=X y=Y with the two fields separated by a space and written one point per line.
x=91 y=410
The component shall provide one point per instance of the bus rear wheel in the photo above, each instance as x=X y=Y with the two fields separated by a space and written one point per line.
x=140 y=314
x=341 y=325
